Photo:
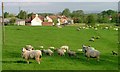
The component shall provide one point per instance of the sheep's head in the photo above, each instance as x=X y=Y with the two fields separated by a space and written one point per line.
x=23 y=50
x=84 y=48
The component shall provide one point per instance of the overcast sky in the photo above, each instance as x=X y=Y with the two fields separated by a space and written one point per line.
x=55 y=7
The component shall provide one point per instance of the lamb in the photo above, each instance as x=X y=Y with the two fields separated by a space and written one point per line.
x=48 y=51
x=37 y=54
x=71 y=53
x=29 y=47
x=64 y=47
x=91 y=53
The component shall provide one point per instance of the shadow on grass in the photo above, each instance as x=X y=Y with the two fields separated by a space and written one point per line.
x=19 y=61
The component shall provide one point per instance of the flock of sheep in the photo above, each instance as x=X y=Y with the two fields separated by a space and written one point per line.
x=96 y=28
x=28 y=52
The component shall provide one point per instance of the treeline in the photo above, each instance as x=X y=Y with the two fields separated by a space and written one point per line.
x=78 y=16
x=108 y=16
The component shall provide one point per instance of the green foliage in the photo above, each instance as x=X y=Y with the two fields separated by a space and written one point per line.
x=55 y=21
x=90 y=20
x=66 y=12
x=6 y=14
x=13 y=20
x=22 y=14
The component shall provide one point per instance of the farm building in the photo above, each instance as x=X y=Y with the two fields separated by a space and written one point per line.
x=37 y=20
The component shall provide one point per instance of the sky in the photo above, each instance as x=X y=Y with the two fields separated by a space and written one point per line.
x=55 y=7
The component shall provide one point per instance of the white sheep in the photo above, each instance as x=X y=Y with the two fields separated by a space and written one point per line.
x=71 y=53
x=60 y=52
x=64 y=47
x=29 y=47
x=48 y=51
x=52 y=47
x=92 y=39
x=41 y=47
x=37 y=54
x=91 y=53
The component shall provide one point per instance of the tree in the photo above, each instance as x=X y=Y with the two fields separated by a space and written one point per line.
x=66 y=12
x=6 y=14
x=77 y=16
x=12 y=20
x=90 y=20
x=22 y=14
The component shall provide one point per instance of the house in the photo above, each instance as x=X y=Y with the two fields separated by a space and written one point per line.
x=37 y=20
x=47 y=23
x=20 y=22
x=51 y=18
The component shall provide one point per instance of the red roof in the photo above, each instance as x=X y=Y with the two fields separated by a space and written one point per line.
x=53 y=17
x=41 y=17
x=47 y=23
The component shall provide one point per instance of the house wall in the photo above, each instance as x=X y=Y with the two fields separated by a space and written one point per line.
x=20 y=22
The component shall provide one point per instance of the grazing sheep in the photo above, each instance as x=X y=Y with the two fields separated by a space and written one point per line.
x=115 y=29
x=92 y=39
x=114 y=53
x=98 y=37
x=41 y=47
x=61 y=52
x=90 y=53
x=71 y=53
x=48 y=51
x=64 y=47
x=37 y=54
x=52 y=48
x=29 y=47
x=78 y=29
x=96 y=29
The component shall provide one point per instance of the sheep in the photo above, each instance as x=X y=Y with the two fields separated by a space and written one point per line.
x=71 y=53
x=64 y=47
x=92 y=39
x=48 y=52
x=29 y=47
x=90 y=53
x=114 y=53
x=78 y=29
x=37 y=54
x=60 y=52
x=98 y=37
x=41 y=47
x=96 y=29
x=52 y=48
x=115 y=29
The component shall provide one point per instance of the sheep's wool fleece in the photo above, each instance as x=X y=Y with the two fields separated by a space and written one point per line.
x=33 y=53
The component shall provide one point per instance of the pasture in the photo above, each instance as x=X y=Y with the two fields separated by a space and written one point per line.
x=17 y=37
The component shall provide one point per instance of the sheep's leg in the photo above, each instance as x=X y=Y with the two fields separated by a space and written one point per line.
x=38 y=60
x=98 y=58
x=88 y=58
x=28 y=61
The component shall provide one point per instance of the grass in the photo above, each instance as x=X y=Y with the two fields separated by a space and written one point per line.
x=17 y=37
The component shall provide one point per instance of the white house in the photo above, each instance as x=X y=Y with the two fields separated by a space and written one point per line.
x=49 y=19
x=36 y=21
x=20 y=22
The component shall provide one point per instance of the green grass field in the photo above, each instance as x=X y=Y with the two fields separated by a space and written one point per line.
x=17 y=37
